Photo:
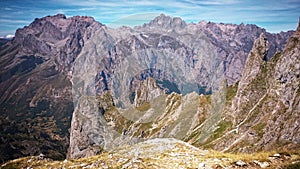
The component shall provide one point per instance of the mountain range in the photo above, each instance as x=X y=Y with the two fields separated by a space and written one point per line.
x=75 y=87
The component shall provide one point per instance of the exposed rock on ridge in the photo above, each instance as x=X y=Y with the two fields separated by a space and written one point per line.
x=253 y=67
x=163 y=153
x=266 y=108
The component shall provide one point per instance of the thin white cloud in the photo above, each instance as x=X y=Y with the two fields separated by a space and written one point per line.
x=133 y=20
x=214 y=2
x=16 y=21
x=115 y=4
x=8 y=9
x=89 y=3
x=226 y=11
x=9 y=36
x=74 y=10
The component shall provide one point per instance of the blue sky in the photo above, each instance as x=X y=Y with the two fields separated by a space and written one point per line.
x=273 y=15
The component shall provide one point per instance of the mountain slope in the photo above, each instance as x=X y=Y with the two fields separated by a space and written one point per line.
x=163 y=153
x=266 y=107
x=36 y=99
x=141 y=82
x=136 y=71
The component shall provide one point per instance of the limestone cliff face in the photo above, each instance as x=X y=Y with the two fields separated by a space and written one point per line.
x=266 y=106
x=151 y=77
x=56 y=37
x=246 y=98
x=36 y=93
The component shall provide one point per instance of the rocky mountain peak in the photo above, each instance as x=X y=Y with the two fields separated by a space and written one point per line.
x=262 y=45
x=253 y=67
x=38 y=63
x=56 y=37
x=53 y=28
x=166 y=22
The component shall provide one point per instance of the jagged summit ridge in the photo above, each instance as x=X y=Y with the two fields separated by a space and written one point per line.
x=255 y=59
x=166 y=22
x=267 y=98
x=56 y=37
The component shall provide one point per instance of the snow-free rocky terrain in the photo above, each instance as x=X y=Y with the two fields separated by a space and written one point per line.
x=73 y=87
x=166 y=153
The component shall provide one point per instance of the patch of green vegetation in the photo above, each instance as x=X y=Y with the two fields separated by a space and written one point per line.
x=143 y=128
x=265 y=69
x=260 y=82
x=262 y=109
x=293 y=166
x=205 y=100
x=260 y=50
x=294 y=41
x=275 y=58
x=255 y=91
x=15 y=164
x=121 y=123
x=193 y=135
x=144 y=107
x=222 y=127
x=209 y=145
x=153 y=131
x=259 y=129
x=231 y=92
x=105 y=101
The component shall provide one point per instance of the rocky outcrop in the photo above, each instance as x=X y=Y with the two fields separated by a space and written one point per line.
x=165 y=22
x=164 y=153
x=255 y=65
x=266 y=106
x=56 y=37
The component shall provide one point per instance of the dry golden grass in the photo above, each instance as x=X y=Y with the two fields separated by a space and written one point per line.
x=180 y=155
x=260 y=156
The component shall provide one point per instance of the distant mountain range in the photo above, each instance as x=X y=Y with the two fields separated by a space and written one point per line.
x=75 y=85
